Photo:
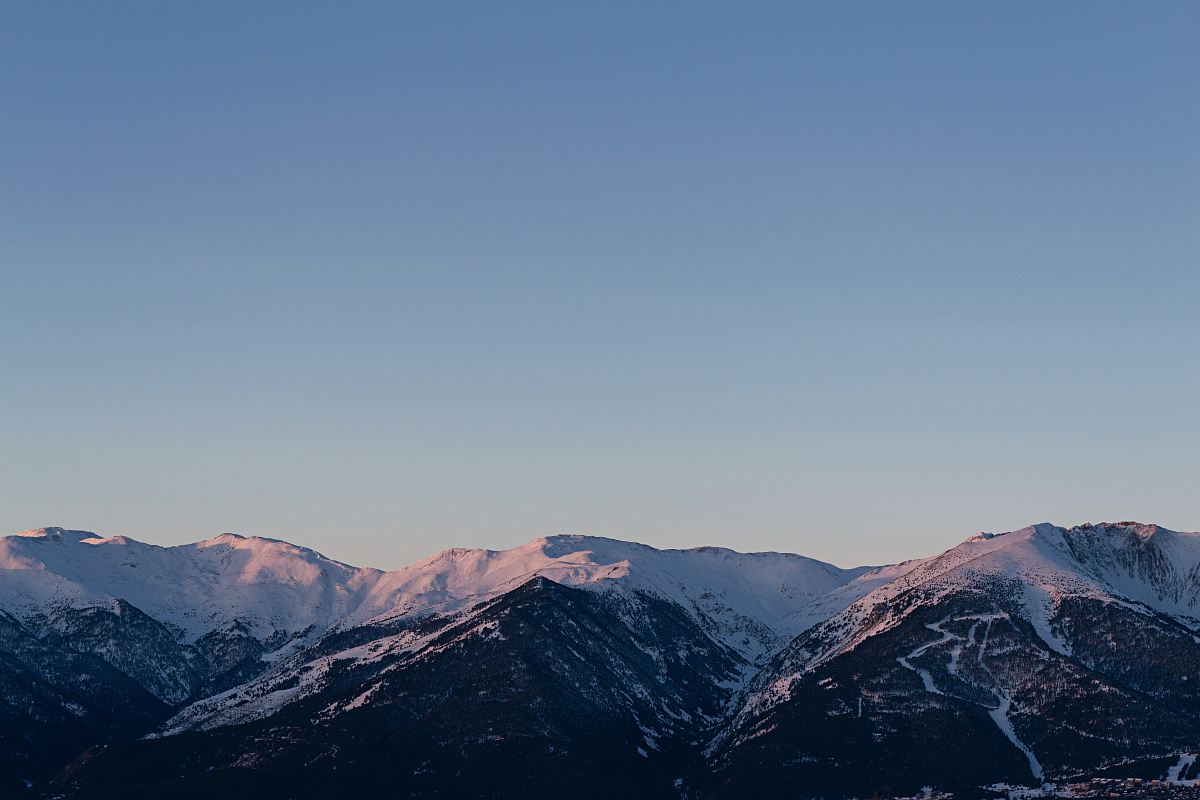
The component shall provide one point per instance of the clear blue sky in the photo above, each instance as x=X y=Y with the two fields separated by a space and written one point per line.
x=849 y=279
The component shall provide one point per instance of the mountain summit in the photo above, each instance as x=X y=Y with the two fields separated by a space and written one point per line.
x=1040 y=654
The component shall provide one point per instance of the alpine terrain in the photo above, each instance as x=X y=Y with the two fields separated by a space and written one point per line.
x=1011 y=664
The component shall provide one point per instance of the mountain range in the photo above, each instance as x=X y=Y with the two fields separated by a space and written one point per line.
x=589 y=666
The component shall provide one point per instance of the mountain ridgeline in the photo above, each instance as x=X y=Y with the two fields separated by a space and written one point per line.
x=585 y=666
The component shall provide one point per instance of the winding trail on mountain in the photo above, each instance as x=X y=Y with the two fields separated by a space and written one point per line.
x=926 y=678
x=1000 y=713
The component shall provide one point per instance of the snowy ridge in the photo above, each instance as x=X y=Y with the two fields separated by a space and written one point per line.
x=755 y=602
x=265 y=586
x=1139 y=566
x=758 y=601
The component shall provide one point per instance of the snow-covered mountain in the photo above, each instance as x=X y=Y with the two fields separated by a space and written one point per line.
x=1010 y=658
x=1035 y=655
x=278 y=592
x=754 y=601
x=211 y=633
x=265 y=587
x=750 y=603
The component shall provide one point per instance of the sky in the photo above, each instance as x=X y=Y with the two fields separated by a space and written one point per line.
x=848 y=279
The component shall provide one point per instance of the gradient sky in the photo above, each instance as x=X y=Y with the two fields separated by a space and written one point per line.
x=848 y=279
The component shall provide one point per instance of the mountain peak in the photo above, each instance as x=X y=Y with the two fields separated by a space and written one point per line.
x=56 y=533
x=1143 y=530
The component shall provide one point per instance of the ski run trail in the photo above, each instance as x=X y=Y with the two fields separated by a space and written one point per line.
x=1000 y=713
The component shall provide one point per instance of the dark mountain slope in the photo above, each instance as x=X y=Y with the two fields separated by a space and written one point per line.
x=546 y=691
